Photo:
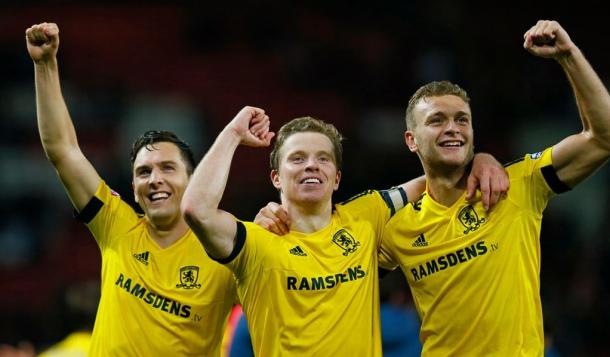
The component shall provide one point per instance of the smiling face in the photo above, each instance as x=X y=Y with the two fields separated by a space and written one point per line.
x=159 y=180
x=307 y=172
x=442 y=133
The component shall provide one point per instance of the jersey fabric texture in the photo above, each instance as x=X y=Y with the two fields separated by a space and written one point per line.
x=75 y=344
x=315 y=294
x=475 y=277
x=154 y=302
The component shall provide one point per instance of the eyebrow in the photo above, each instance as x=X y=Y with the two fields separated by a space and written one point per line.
x=440 y=112
x=303 y=152
x=164 y=162
x=324 y=152
x=137 y=169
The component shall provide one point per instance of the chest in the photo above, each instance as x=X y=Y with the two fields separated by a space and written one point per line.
x=184 y=271
x=334 y=250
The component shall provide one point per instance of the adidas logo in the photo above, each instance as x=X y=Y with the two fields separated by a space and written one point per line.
x=298 y=251
x=142 y=257
x=420 y=241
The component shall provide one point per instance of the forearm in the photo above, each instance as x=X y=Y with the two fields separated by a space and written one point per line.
x=55 y=127
x=578 y=156
x=591 y=96
x=207 y=185
x=414 y=188
x=214 y=228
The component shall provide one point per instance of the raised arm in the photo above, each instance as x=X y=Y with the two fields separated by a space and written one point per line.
x=577 y=156
x=217 y=229
x=55 y=127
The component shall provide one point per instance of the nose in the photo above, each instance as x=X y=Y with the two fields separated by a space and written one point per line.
x=452 y=127
x=155 y=177
x=312 y=164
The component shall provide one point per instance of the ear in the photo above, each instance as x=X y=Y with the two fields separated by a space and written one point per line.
x=133 y=188
x=337 y=180
x=275 y=179
x=411 y=141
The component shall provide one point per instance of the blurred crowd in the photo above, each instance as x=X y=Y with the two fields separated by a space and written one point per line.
x=127 y=67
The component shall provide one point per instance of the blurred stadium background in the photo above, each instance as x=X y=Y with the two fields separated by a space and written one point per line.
x=129 y=66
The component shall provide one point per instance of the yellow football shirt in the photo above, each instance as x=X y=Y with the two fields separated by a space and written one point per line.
x=75 y=344
x=475 y=277
x=315 y=294
x=154 y=302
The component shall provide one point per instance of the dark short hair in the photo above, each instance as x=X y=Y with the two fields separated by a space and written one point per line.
x=149 y=138
x=433 y=89
x=307 y=125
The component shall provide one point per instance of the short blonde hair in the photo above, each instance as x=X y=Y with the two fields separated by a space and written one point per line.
x=433 y=89
x=304 y=125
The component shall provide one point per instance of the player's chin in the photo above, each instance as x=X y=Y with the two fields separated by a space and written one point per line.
x=314 y=197
x=160 y=212
x=454 y=162
x=459 y=162
x=459 y=157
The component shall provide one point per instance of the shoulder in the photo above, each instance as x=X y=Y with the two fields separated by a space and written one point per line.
x=538 y=165
x=254 y=230
x=408 y=214
x=363 y=196
x=528 y=163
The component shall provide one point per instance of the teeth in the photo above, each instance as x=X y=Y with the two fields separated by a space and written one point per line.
x=452 y=143
x=312 y=180
x=159 y=195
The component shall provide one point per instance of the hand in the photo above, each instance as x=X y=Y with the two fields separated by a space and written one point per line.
x=274 y=218
x=251 y=125
x=42 y=41
x=548 y=39
x=490 y=177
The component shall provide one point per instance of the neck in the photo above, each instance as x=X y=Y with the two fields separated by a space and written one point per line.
x=167 y=234
x=446 y=185
x=309 y=218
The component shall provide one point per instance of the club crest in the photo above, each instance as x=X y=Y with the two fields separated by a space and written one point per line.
x=345 y=241
x=188 y=277
x=470 y=219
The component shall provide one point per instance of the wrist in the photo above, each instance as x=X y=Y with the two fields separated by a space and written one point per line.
x=46 y=64
x=567 y=57
x=231 y=136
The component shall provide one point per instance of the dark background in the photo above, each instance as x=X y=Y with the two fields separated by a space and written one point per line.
x=130 y=66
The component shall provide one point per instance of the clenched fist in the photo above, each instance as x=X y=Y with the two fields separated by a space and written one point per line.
x=42 y=41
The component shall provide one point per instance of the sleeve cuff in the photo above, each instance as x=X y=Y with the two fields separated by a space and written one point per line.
x=90 y=211
x=551 y=178
x=240 y=239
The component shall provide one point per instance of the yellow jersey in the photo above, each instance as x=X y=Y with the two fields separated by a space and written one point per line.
x=475 y=277
x=75 y=344
x=315 y=294
x=154 y=302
